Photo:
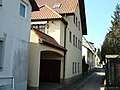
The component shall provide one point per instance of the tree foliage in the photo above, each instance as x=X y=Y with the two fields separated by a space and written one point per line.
x=111 y=44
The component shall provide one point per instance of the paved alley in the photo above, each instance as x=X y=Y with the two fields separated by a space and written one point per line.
x=90 y=81
x=94 y=82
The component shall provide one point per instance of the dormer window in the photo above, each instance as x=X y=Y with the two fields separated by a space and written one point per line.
x=57 y=5
x=0 y=2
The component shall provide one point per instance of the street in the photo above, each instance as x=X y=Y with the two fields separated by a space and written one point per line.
x=91 y=81
x=95 y=82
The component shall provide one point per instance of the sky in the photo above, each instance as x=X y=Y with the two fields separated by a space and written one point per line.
x=98 y=19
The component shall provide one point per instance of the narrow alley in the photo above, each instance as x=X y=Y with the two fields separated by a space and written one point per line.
x=90 y=81
x=95 y=82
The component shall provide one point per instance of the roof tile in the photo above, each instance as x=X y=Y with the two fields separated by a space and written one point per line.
x=48 y=39
x=45 y=12
x=67 y=6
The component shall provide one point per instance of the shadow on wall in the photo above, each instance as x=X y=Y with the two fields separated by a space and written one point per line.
x=85 y=66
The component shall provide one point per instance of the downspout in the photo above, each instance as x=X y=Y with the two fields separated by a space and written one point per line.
x=64 y=53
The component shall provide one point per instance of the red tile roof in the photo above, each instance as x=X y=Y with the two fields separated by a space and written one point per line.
x=48 y=39
x=45 y=12
x=67 y=6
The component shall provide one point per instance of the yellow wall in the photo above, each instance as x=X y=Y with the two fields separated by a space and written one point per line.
x=34 y=62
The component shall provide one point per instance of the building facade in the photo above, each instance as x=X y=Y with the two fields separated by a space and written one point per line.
x=88 y=51
x=15 y=20
x=63 y=21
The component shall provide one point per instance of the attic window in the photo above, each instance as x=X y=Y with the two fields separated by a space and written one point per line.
x=57 y=5
x=0 y=2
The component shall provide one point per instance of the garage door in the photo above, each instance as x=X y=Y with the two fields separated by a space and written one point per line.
x=50 y=71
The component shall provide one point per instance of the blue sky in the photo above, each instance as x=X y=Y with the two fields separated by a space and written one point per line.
x=98 y=18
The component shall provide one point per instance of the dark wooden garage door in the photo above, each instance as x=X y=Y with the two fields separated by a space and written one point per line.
x=50 y=71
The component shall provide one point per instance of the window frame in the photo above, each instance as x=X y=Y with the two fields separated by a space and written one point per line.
x=25 y=5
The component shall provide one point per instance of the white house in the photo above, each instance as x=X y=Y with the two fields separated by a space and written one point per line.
x=97 y=61
x=15 y=18
x=88 y=51
x=65 y=21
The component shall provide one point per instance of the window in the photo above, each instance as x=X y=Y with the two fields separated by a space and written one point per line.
x=79 y=45
x=73 y=68
x=0 y=2
x=1 y=55
x=70 y=36
x=79 y=25
x=57 y=5
x=40 y=27
x=76 y=21
x=76 y=41
x=73 y=40
x=23 y=8
x=78 y=67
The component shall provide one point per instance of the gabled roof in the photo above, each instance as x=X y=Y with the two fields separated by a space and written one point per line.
x=66 y=6
x=34 y=5
x=45 y=12
x=46 y=39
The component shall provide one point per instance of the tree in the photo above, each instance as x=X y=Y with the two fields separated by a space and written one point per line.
x=111 y=44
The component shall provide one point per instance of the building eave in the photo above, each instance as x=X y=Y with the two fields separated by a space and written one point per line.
x=83 y=17
x=34 y=5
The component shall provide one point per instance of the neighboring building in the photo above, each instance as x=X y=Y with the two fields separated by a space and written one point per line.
x=63 y=20
x=97 y=61
x=88 y=51
x=15 y=17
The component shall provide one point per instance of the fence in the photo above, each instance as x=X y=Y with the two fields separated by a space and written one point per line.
x=112 y=72
x=6 y=83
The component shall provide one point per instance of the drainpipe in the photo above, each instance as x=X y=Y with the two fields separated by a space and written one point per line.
x=64 y=54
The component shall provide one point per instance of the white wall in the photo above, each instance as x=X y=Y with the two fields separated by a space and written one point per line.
x=74 y=54
x=16 y=30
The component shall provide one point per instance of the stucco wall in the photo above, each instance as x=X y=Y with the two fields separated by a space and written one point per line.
x=35 y=57
x=16 y=32
x=56 y=30
x=74 y=54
